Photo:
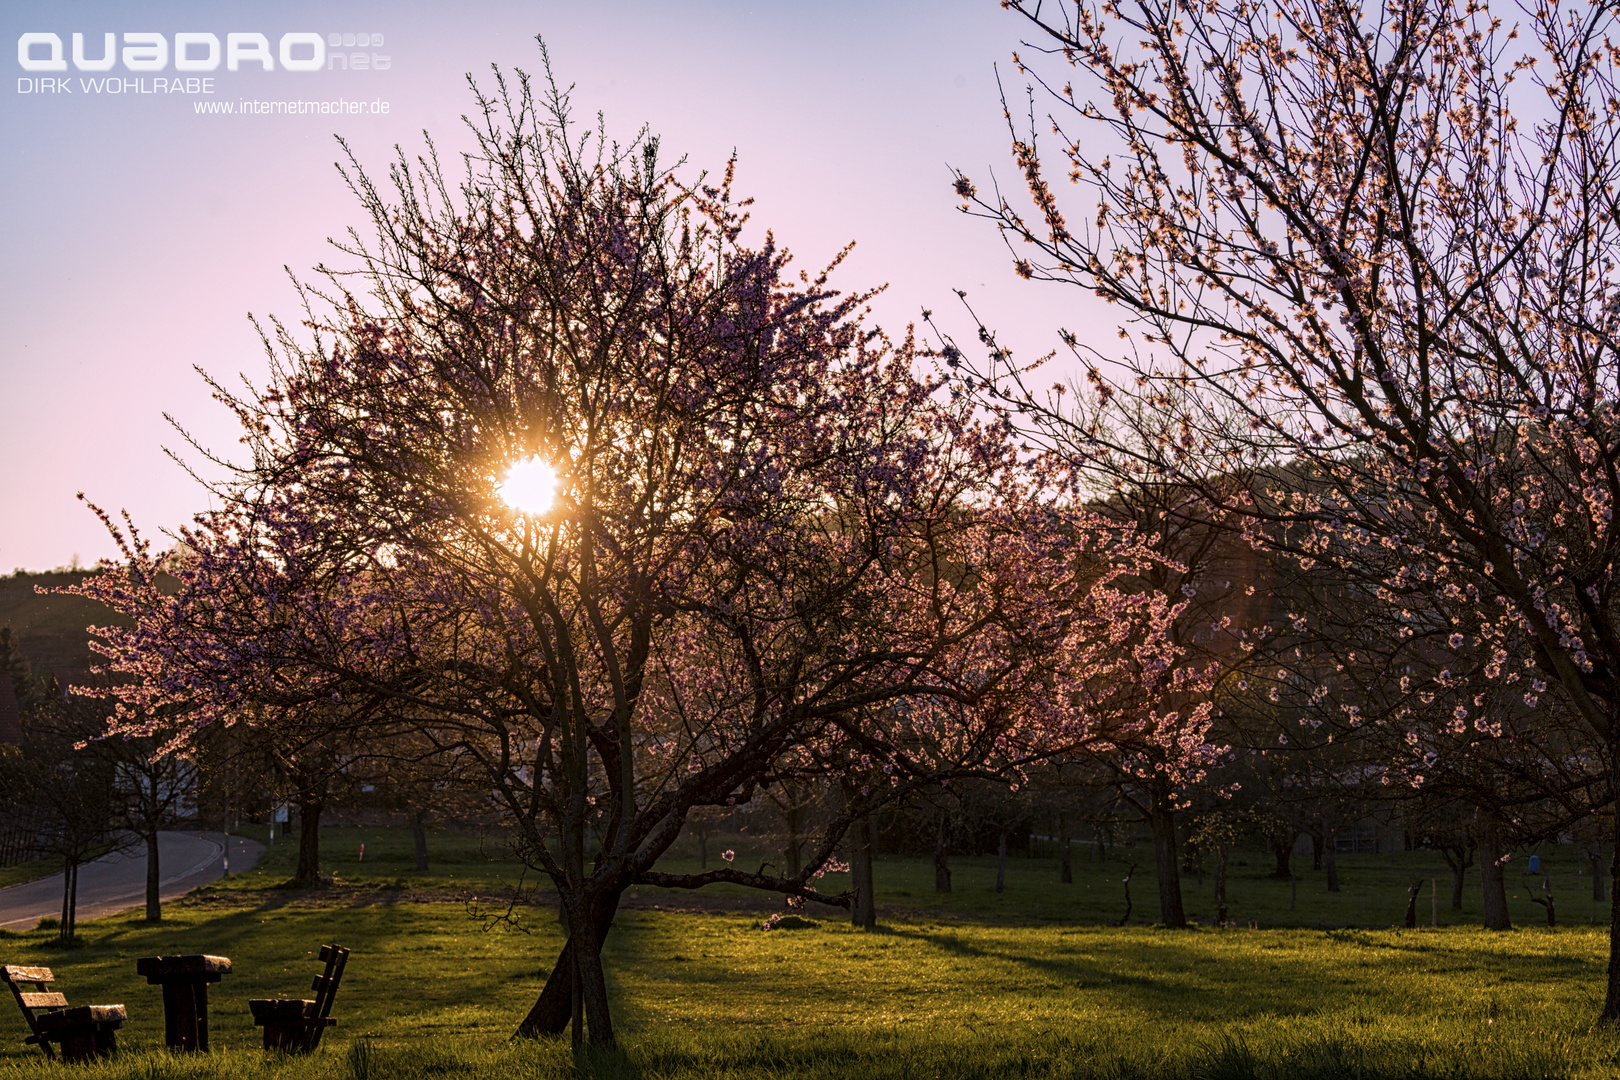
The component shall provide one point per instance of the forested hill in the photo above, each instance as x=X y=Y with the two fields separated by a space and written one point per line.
x=51 y=632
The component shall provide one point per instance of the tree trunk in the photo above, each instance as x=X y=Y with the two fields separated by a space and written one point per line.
x=591 y=984
x=309 y=844
x=551 y=1013
x=419 y=840
x=1547 y=903
x=1611 y=1002
x=1125 y=918
x=1330 y=862
x=1597 y=871
x=793 y=818
x=1065 y=858
x=1220 y=886
x=1001 y=860
x=1283 y=851
x=64 y=932
x=1459 y=868
x=154 y=904
x=73 y=905
x=863 y=912
x=1490 y=872
x=942 y=869
x=1411 y=904
x=1163 y=823
x=1317 y=844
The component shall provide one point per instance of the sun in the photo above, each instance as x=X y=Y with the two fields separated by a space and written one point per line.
x=530 y=486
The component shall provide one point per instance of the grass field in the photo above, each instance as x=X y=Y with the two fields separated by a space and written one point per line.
x=32 y=870
x=1372 y=894
x=1026 y=984
x=698 y=995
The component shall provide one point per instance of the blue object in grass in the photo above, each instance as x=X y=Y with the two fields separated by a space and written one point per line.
x=1535 y=864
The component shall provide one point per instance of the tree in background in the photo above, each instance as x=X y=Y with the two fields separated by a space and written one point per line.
x=156 y=788
x=410 y=774
x=1218 y=831
x=314 y=757
x=1157 y=754
x=68 y=783
x=26 y=687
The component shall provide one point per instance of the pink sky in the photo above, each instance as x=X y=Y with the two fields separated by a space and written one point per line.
x=140 y=234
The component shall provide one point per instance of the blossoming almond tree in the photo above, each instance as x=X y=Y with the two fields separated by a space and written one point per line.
x=1166 y=751
x=1367 y=252
x=591 y=495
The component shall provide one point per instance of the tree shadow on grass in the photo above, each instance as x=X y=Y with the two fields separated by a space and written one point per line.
x=1069 y=969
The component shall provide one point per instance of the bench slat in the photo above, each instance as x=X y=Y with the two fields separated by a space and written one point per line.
x=12 y=973
x=43 y=1001
x=83 y=1014
x=296 y=1024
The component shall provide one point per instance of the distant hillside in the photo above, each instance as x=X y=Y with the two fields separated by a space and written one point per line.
x=52 y=632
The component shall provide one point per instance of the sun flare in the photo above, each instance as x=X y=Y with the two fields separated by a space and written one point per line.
x=529 y=486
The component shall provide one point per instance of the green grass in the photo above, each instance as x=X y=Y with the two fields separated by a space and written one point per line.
x=32 y=870
x=429 y=993
x=1030 y=983
x=459 y=863
x=1372 y=887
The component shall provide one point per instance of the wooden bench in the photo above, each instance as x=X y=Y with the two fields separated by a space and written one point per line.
x=296 y=1024
x=83 y=1032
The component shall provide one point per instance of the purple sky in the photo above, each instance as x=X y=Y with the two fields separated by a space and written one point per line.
x=139 y=233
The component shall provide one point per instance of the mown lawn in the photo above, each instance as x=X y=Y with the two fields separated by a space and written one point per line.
x=699 y=995
x=1019 y=985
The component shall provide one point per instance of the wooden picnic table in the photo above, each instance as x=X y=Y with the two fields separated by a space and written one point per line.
x=185 y=980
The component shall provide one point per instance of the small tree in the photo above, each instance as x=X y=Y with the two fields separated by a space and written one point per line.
x=69 y=784
x=156 y=789
x=1218 y=831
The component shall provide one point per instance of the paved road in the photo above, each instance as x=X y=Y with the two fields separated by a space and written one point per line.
x=118 y=882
